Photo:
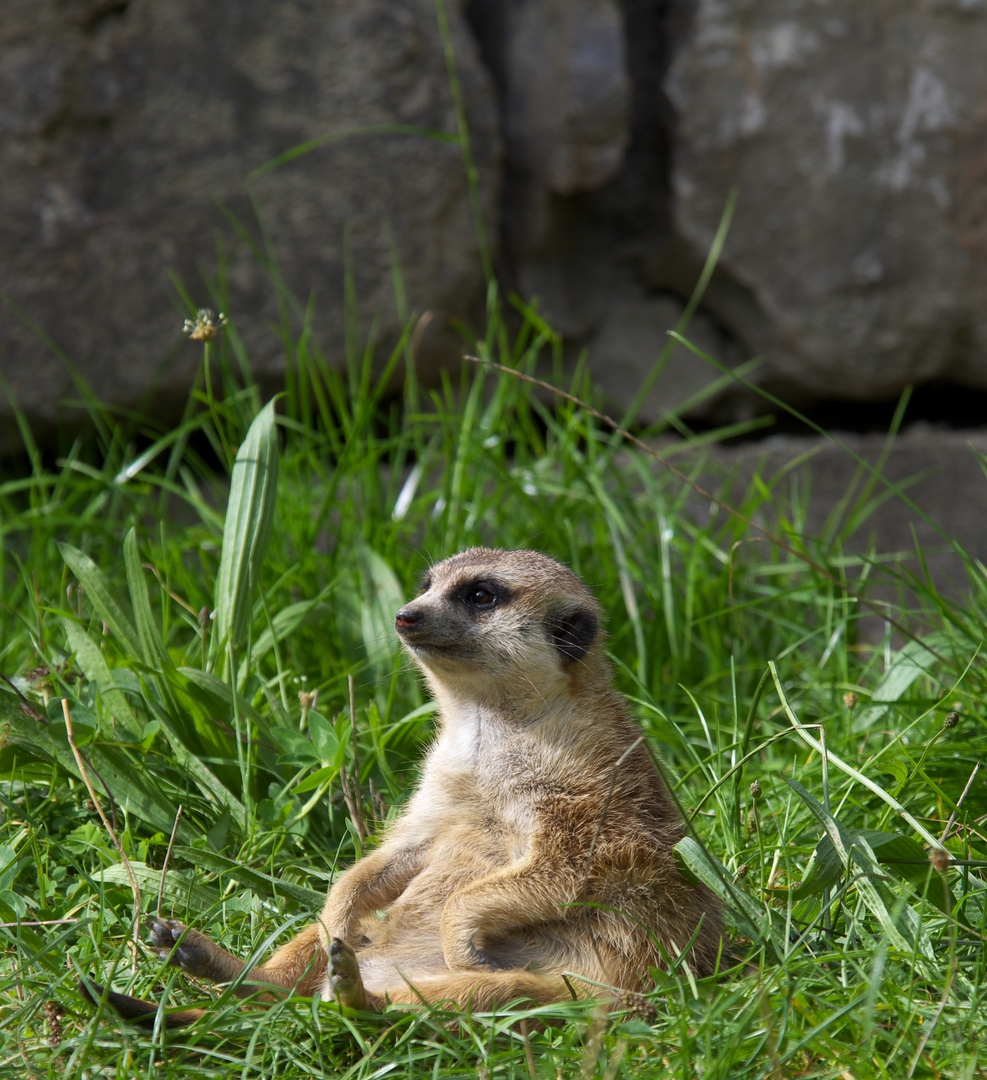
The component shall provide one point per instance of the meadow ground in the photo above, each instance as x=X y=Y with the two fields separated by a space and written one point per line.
x=212 y=607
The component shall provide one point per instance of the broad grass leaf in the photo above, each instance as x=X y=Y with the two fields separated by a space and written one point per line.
x=112 y=770
x=824 y=818
x=897 y=919
x=218 y=833
x=284 y=622
x=9 y=861
x=696 y=865
x=838 y=834
x=897 y=768
x=902 y=855
x=247 y=529
x=206 y=780
x=906 y=857
x=909 y=663
x=178 y=890
x=382 y=597
x=153 y=651
x=90 y=658
x=217 y=696
x=109 y=605
x=262 y=883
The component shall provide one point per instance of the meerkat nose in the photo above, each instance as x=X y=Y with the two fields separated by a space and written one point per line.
x=407 y=620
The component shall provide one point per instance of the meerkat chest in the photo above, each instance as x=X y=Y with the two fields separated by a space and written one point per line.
x=485 y=780
x=471 y=811
x=475 y=810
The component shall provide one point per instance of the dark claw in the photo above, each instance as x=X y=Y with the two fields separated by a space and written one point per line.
x=165 y=933
x=484 y=960
x=181 y=946
x=342 y=960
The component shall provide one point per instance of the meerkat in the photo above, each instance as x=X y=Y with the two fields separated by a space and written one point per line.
x=535 y=857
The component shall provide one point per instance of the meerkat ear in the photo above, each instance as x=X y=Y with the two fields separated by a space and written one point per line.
x=573 y=633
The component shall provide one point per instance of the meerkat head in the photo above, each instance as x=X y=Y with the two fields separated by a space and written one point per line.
x=502 y=624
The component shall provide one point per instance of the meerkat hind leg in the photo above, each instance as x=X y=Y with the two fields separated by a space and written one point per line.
x=476 y=991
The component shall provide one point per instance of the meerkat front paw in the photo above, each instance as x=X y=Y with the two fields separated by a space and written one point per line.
x=192 y=951
x=463 y=954
x=344 y=975
x=477 y=959
x=463 y=945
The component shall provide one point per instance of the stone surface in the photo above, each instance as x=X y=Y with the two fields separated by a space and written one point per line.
x=630 y=342
x=564 y=90
x=567 y=114
x=856 y=136
x=939 y=470
x=128 y=127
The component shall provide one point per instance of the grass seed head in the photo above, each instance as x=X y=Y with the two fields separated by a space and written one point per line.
x=205 y=326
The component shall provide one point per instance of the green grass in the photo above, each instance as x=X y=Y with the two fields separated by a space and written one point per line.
x=744 y=660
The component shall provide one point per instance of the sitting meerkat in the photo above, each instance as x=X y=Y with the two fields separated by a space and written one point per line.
x=534 y=859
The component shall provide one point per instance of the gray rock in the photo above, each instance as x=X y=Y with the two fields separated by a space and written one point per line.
x=567 y=114
x=855 y=133
x=128 y=128
x=856 y=137
x=633 y=338
x=564 y=91
x=929 y=504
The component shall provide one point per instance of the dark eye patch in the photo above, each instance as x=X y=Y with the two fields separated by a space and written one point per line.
x=425 y=583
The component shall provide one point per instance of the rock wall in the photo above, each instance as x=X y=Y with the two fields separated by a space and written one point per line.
x=128 y=132
x=608 y=135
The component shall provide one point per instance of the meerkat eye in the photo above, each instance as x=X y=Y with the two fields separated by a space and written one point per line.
x=483 y=595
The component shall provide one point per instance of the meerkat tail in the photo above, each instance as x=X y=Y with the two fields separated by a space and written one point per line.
x=137 y=1010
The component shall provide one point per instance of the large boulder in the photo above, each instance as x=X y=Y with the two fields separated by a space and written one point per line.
x=129 y=130
x=856 y=137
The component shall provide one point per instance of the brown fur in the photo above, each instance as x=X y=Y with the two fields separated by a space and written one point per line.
x=538 y=842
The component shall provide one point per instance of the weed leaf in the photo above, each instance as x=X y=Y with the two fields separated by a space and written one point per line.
x=699 y=867
x=263 y=883
x=247 y=529
x=109 y=605
x=910 y=662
